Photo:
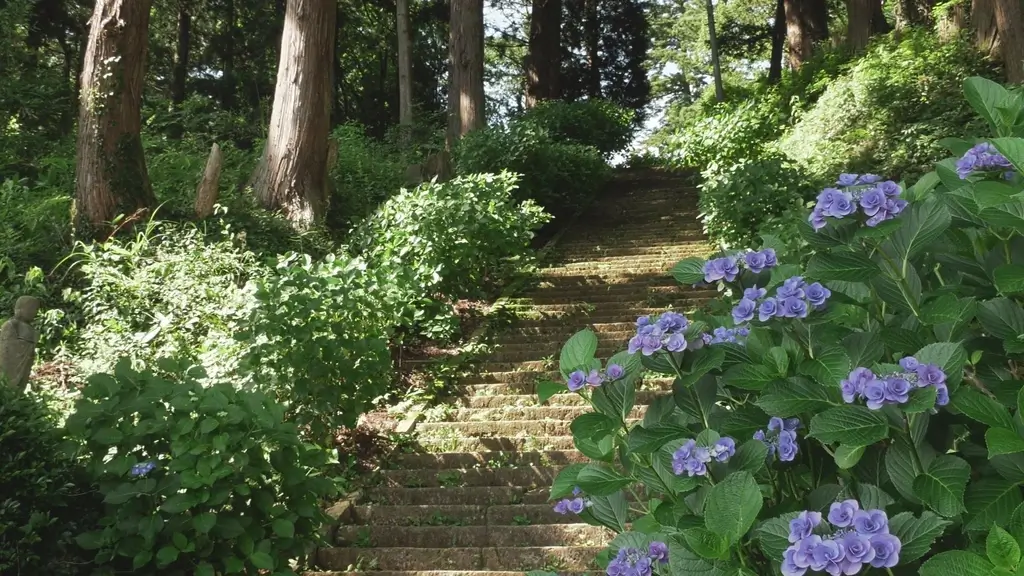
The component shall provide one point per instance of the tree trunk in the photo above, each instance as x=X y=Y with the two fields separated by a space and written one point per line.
x=404 y=65
x=716 y=63
x=110 y=172
x=544 y=62
x=592 y=34
x=778 y=42
x=1011 y=39
x=858 y=28
x=290 y=176
x=466 y=89
x=806 y=25
x=879 y=25
x=983 y=20
x=228 y=86
x=209 y=186
x=951 y=22
x=180 y=74
x=912 y=13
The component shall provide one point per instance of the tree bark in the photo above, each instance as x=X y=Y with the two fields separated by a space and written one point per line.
x=228 y=86
x=544 y=61
x=778 y=42
x=806 y=25
x=952 y=22
x=466 y=88
x=879 y=25
x=716 y=63
x=1011 y=38
x=180 y=74
x=592 y=39
x=404 y=65
x=290 y=176
x=858 y=28
x=912 y=13
x=209 y=186
x=110 y=172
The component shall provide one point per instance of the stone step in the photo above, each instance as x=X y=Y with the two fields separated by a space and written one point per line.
x=459 y=515
x=619 y=307
x=497 y=443
x=487 y=460
x=473 y=536
x=519 y=413
x=447 y=496
x=504 y=428
x=436 y=573
x=566 y=399
x=560 y=334
x=587 y=284
x=523 y=388
x=524 y=376
x=489 y=558
x=525 y=475
x=599 y=295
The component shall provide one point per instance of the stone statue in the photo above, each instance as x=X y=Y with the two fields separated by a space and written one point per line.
x=18 y=341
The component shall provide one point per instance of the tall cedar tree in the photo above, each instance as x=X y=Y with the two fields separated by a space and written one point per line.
x=110 y=172
x=1011 y=38
x=466 y=91
x=292 y=174
x=806 y=26
x=404 y=34
x=544 y=61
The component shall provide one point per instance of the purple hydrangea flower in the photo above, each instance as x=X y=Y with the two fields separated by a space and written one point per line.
x=744 y=311
x=724 y=449
x=870 y=522
x=817 y=219
x=788 y=446
x=981 y=157
x=143 y=468
x=887 y=550
x=803 y=525
x=794 y=307
x=770 y=260
x=930 y=375
x=789 y=566
x=672 y=322
x=776 y=424
x=828 y=557
x=872 y=201
x=754 y=293
x=769 y=308
x=890 y=189
x=658 y=551
x=577 y=505
x=847 y=179
x=858 y=552
x=676 y=343
x=841 y=514
x=941 y=395
x=868 y=179
x=897 y=390
x=576 y=381
x=614 y=371
x=595 y=378
x=562 y=507
x=754 y=261
x=726 y=268
x=874 y=394
x=909 y=363
x=817 y=294
x=791 y=288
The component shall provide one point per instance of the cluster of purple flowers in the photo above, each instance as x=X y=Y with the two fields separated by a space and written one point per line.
x=721 y=335
x=793 y=298
x=856 y=537
x=728 y=267
x=576 y=504
x=665 y=332
x=692 y=460
x=982 y=157
x=634 y=562
x=780 y=438
x=878 y=200
x=143 y=468
x=878 y=391
x=578 y=379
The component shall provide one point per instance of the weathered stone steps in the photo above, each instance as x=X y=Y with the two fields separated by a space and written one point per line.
x=542 y=535
x=404 y=558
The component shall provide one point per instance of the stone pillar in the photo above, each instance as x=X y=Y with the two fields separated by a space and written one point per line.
x=18 y=341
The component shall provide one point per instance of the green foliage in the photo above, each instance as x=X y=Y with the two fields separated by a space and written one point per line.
x=367 y=173
x=560 y=176
x=195 y=480
x=46 y=497
x=596 y=123
x=940 y=283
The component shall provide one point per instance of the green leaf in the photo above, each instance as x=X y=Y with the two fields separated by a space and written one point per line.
x=828 y=367
x=1002 y=548
x=577 y=352
x=705 y=360
x=942 y=486
x=599 y=479
x=684 y=562
x=900 y=464
x=107 y=436
x=848 y=266
x=916 y=534
x=706 y=543
x=797 y=395
x=733 y=505
x=283 y=528
x=548 y=388
x=689 y=270
x=921 y=400
x=614 y=399
x=592 y=425
x=924 y=222
x=950 y=356
x=863 y=348
x=981 y=408
x=1009 y=279
x=647 y=440
x=747 y=376
x=565 y=481
x=1002 y=318
x=990 y=501
x=872 y=497
x=986 y=96
x=180 y=541
x=609 y=511
x=851 y=425
x=93 y=540
x=773 y=535
x=751 y=456
x=1001 y=441
x=142 y=558
x=204 y=522
x=777 y=361
x=178 y=503
x=846 y=457
x=1013 y=149
x=956 y=563
x=262 y=560
x=205 y=569
x=166 y=556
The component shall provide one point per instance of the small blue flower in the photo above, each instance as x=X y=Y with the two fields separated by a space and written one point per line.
x=143 y=469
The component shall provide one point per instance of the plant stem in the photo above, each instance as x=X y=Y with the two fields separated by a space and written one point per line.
x=913 y=444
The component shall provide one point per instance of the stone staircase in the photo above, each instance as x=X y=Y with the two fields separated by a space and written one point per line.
x=475 y=503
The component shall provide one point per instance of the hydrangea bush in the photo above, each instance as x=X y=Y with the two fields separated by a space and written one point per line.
x=860 y=413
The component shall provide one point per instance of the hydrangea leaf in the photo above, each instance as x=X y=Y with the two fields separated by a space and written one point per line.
x=609 y=511
x=750 y=456
x=689 y=270
x=1013 y=149
x=1002 y=548
x=986 y=97
x=956 y=563
x=848 y=266
x=706 y=543
x=565 y=481
x=863 y=348
x=1002 y=317
x=615 y=399
x=732 y=506
x=548 y=388
x=851 y=425
x=872 y=496
x=577 y=352
x=846 y=457
x=921 y=400
x=1002 y=441
x=916 y=534
x=828 y=367
x=981 y=408
x=991 y=501
x=747 y=376
x=942 y=486
x=602 y=448
x=950 y=356
x=794 y=396
x=684 y=562
x=598 y=479
x=773 y=535
x=648 y=439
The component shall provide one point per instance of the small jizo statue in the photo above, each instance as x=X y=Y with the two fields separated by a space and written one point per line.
x=18 y=341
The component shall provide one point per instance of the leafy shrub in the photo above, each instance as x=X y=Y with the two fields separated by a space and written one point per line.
x=46 y=498
x=455 y=239
x=559 y=176
x=196 y=480
x=860 y=413
x=598 y=123
x=167 y=291
x=318 y=339
x=366 y=174
x=889 y=109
